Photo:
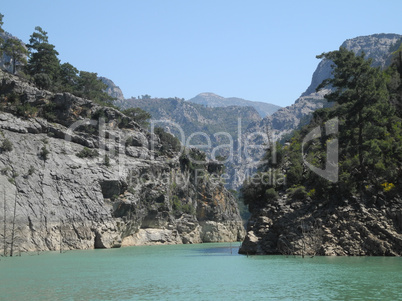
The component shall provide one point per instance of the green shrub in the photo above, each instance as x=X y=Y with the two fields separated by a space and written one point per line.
x=26 y=110
x=5 y=170
x=271 y=194
x=44 y=153
x=188 y=208
x=297 y=192
x=192 y=159
x=178 y=207
x=138 y=115
x=13 y=97
x=168 y=141
x=42 y=80
x=6 y=146
x=31 y=170
x=87 y=153
x=175 y=201
x=106 y=161
x=49 y=111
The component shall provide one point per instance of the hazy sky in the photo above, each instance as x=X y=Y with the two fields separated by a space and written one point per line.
x=257 y=50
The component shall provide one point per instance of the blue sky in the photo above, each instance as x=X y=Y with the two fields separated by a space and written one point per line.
x=257 y=50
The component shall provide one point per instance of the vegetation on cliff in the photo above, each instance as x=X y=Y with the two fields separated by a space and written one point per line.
x=38 y=62
x=355 y=160
x=86 y=175
x=366 y=105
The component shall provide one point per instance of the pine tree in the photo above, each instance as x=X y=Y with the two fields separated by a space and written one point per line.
x=68 y=77
x=91 y=87
x=365 y=112
x=14 y=48
x=43 y=62
x=140 y=116
x=1 y=30
x=1 y=23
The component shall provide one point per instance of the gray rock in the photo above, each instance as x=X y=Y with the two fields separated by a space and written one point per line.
x=64 y=201
x=285 y=120
x=112 y=89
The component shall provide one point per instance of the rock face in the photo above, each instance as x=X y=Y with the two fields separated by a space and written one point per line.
x=212 y=100
x=193 y=123
x=354 y=226
x=78 y=181
x=285 y=120
x=303 y=227
x=112 y=89
x=376 y=47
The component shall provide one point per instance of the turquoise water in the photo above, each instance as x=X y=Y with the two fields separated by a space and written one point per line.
x=196 y=272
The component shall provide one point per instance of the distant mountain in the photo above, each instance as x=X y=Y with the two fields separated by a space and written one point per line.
x=213 y=100
x=193 y=118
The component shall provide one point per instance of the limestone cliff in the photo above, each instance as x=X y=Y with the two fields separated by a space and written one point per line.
x=292 y=226
x=310 y=214
x=198 y=125
x=112 y=89
x=285 y=120
x=76 y=175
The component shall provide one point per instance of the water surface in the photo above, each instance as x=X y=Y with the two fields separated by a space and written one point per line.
x=196 y=272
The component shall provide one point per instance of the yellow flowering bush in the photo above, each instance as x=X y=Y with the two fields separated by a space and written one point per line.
x=387 y=186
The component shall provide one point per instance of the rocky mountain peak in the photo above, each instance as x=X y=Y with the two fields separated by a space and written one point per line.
x=215 y=101
x=112 y=89
x=210 y=95
x=285 y=120
x=375 y=46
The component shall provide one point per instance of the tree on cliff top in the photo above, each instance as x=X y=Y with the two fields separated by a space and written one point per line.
x=43 y=59
x=1 y=30
x=367 y=133
x=1 y=22
x=140 y=116
x=14 y=48
x=91 y=87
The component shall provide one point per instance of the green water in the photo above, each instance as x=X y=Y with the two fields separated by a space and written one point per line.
x=196 y=272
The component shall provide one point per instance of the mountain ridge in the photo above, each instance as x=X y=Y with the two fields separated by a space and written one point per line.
x=213 y=100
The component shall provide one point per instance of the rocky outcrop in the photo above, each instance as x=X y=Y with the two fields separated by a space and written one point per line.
x=112 y=89
x=292 y=224
x=79 y=176
x=285 y=120
x=302 y=227
x=207 y=127
x=376 y=47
